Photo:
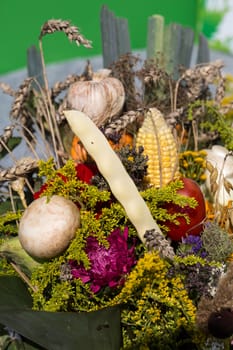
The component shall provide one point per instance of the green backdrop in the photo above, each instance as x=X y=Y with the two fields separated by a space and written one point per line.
x=20 y=23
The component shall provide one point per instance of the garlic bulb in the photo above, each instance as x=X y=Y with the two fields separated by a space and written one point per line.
x=101 y=98
x=48 y=226
x=222 y=163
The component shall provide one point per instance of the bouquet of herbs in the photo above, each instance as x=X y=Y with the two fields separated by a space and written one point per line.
x=127 y=207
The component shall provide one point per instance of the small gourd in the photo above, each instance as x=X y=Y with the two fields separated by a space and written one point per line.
x=79 y=154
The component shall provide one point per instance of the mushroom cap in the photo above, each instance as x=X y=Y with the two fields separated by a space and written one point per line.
x=48 y=226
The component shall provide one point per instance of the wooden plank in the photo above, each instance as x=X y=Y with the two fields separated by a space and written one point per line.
x=172 y=47
x=115 y=36
x=178 y=46
x=109 y=36
x=34 y=66
x=155 y=35
x=123 y=39
x=203 y=52
x=187 y=41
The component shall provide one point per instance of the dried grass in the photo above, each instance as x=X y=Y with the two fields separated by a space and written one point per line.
x=36 y=108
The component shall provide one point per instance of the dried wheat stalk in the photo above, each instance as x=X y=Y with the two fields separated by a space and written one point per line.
x=72 y=32
x=61 y=86
x=7 y=89
x=7 y=134
x=22 y=167
x=198 y=79
x=121 y=122
x=220 y=90
x=20 y=97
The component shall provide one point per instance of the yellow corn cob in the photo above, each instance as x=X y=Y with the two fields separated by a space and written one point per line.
x=160 y=146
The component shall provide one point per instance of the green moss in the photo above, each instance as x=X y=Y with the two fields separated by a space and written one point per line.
x=113 y=216
x=8 y=227
x=5 y=267
x=217 y=242
x=214 y=121
x=8 y=223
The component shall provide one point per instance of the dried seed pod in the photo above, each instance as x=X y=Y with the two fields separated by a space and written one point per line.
x=100 y=98
x=160 y=146
x=219 y=174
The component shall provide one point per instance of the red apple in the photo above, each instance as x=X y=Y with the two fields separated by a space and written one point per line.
x=196 y=215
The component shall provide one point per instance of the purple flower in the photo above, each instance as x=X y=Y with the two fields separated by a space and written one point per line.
x=194 y=245
x=194 y=241
x=108 y=265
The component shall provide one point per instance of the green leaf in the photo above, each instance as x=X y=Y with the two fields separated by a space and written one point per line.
x=98 y=330
x=14 y=294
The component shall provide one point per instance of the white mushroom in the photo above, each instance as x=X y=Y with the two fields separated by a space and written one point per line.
x=48 y=226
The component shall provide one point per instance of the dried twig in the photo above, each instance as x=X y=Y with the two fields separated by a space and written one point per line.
x=23 y=276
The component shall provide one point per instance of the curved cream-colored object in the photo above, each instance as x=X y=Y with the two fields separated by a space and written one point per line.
x=110 y=166
x=220 y=159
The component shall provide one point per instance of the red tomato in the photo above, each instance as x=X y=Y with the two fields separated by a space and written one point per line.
x=196 y=215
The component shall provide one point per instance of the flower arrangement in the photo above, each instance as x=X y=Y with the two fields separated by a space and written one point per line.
x=174 y=290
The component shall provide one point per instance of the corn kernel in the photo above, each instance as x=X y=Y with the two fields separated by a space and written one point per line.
x=160 y=146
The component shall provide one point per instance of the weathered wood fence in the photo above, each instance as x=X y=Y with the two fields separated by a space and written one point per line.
x=173 y=44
